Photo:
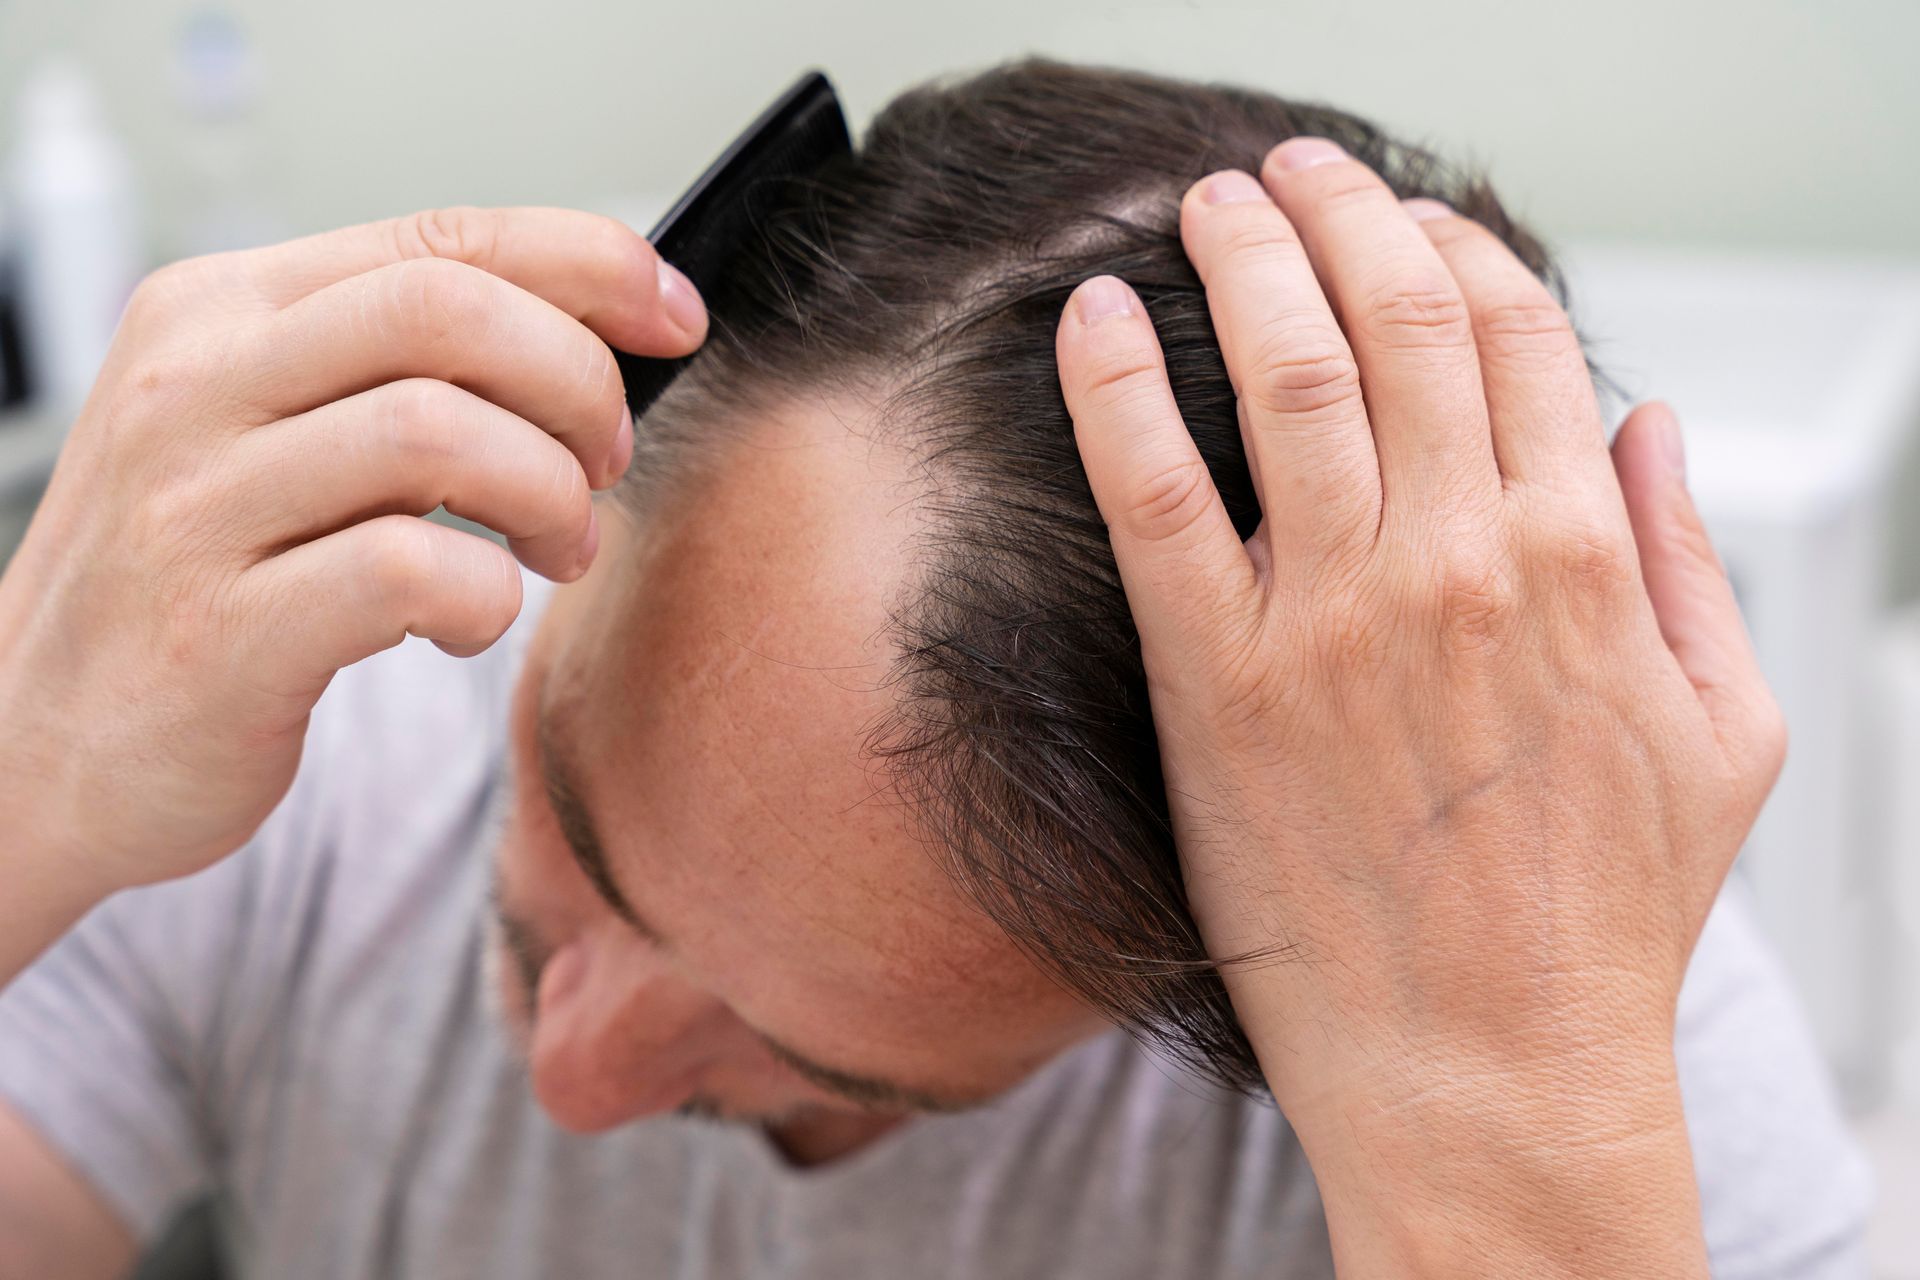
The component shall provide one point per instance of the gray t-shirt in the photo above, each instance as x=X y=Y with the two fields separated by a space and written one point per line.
x=302 y=1030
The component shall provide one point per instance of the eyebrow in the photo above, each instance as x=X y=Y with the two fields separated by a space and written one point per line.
x=867 y=1091
x=577 y=829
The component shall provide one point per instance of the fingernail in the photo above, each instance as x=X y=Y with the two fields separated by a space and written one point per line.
x=682 y=301
x=1423 y=209
x=1102 y=298
x=1231 y=186
x=622 y=452
x=1304 y=153
x=591 y=543
x=1672 y=446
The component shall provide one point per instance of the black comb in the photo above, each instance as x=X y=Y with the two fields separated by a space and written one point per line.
x=700 y=235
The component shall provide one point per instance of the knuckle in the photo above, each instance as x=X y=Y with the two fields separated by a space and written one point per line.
x=1168 y=500
x=631 y=264
x=1526 y=318
x=1357 y=639
x=163 y=379
x=410 y=399
x=1589 y=556
x=194 y=619
x=611 y=240
x=568 y=489
x=162 y=290
x=403 y=564
x=460 y=233
x=1453 y=233
x=1295 y=374
x=1120 y=378
x=558 y=490
x=180 y=624
x=170 y=507
x=1259 y=238
x=1417 y=309
x=423 y=421
x=600 y=380
x=439 y=299
x=1252 y=701
x=186 y=503
x=178 y=514
x=1523 y=327
x=1473 y=596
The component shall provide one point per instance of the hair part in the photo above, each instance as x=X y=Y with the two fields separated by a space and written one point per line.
x=926 y=274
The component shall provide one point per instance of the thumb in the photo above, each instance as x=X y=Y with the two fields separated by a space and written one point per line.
x=1692 y=597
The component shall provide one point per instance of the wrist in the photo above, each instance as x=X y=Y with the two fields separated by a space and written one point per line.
x=49 y=883
x=1462 y=1168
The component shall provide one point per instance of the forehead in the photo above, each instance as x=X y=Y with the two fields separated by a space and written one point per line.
x=719 y=695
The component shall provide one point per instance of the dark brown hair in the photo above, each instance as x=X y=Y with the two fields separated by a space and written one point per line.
x=927 y=272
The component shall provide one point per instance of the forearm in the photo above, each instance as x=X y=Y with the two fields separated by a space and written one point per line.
x=1585 y=1171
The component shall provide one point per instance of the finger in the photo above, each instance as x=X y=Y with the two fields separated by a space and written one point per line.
x=1306 y=426
x=596 y=269
x=1407 y=323
x=452 y=323
x=328 y=603
x=1547 y=428
x=1692 y=598
x=1186 y=573
x=406 y=448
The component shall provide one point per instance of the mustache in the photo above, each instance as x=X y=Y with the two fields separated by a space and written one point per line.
x=709 y=1109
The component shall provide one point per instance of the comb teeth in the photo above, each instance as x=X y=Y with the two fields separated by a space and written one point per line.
x=702 y=232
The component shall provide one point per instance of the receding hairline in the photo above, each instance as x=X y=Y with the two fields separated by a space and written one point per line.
x=1027 y=734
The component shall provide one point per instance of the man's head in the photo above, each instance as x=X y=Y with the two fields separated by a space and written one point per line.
x=836 y=778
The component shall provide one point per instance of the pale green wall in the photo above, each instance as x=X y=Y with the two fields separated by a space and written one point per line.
x=1788 y=124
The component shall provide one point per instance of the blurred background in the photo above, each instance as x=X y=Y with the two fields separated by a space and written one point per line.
x=1732 y=187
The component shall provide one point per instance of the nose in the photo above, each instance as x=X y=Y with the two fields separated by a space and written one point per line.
x=617 y=1036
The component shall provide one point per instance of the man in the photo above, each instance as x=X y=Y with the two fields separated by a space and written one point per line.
x=819 y=802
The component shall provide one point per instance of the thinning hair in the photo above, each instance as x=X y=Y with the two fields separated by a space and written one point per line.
x=926 y=274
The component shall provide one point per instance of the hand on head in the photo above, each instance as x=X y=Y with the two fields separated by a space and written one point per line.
x=236 y=515
x=1461 y=744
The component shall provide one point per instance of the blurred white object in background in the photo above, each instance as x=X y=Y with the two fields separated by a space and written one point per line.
x=1892 y=1136
x=76 y=229
x=1798 y=386
x=1898 y=738
x=217 y=80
